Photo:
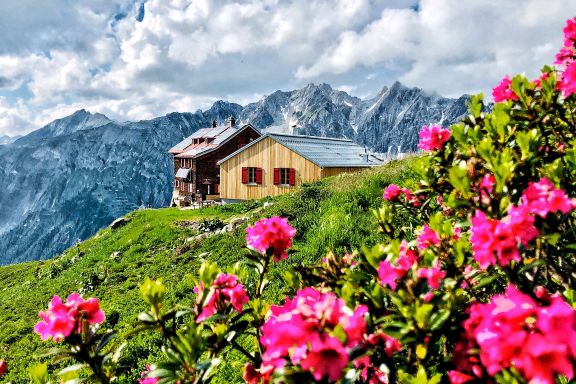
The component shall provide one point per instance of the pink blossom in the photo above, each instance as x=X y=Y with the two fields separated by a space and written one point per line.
x=225 y=291
x=503 y=91
x=568 y=80
x=514 y=330
x=391 y=345
x=496 y=241
x=301 y=332
x=144 y=379
x=459 y=377
x=389 y=274
x=427 y=237
x=542 y=198
x=433 y=137
x=62 y=319
x=369 y=373
x=327 y=358
x=273 y=234
x=407 y=257
x=392 y=192
x=564 y=57
x=570 y=30
x=488 y=183
x=433 y=275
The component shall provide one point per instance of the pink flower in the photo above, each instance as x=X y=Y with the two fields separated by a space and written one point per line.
x=327 y=358
x=144 y=376
x=496 y=241
x=273 y=234
x=488 y=183
x=392 y=192
x=388 y=274
x=369 y=373
x=226 y=291
x=301 y=332
x=433 y=275
x=459 y=377
x=407 y=257
x=514 y=330
x=570 y=30
x=503 y=91
x=542 y=198
x=433 y=137
x=391 y=344
x=62 y=319
x=568 y=80
x=427 y=237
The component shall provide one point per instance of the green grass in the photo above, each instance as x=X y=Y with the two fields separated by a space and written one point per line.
x=333 y=214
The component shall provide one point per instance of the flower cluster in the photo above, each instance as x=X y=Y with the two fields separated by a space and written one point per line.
x=389 y=273
x=496 y=241
x=226 y=290
x=394 y=193
x=433 y=137
x=63 y=319
x=302 y=332
x=513 y=330
x=503 y=91
x=273 y=234
x=566 y=59
x=144 y=379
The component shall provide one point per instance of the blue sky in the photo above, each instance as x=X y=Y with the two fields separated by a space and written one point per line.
x=135 y=59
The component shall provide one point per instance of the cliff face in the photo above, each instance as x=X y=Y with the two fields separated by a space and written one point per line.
x=65 y=181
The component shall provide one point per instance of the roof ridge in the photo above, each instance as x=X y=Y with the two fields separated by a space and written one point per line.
x=309 y=137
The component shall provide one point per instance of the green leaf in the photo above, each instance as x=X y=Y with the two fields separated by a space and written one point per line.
x=422 y=313
x=458 y=176
x=39 y=373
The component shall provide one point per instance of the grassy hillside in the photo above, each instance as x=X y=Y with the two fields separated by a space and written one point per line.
x=331 y=214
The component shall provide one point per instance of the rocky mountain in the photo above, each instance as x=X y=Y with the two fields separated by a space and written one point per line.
x=4 y=139
x=65 y=181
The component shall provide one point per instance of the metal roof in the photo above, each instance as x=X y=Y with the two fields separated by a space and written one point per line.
x=219 y=136
x=322 y=151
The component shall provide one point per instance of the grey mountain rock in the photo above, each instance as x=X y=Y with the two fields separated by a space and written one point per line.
x=65 y=181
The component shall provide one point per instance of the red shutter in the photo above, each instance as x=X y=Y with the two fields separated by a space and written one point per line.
x=258 y=175
x=276 y=176
x=244 y=175
x=292 y=176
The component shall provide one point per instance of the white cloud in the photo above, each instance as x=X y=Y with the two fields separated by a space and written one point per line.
x=452 y=46
x=63 y=55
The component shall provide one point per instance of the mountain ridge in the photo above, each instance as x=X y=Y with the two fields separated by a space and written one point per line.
x=63 y=182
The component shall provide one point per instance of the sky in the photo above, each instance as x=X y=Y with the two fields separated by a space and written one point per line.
x=138 y=59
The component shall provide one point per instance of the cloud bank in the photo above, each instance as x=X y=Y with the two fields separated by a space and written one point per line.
x=134 y=60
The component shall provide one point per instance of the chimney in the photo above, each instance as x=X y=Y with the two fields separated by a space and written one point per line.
x=365 y=155
x=231 y=121
x=214 y=124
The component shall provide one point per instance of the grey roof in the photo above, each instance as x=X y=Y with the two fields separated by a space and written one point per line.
x=220 y=135
x=322 y=151
x=182 y=173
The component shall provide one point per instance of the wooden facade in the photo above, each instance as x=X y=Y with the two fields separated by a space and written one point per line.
x=203 y=179
x=267 y=155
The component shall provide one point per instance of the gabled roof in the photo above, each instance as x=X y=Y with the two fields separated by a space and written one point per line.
x=218 y=135
x=323 y=151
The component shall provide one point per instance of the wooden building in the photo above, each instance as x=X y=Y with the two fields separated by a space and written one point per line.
x=276 y=163
x=196 y=170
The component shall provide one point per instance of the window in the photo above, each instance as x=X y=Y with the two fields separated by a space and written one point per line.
x=251 y=175
x=284 y=176
x=176 y=183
